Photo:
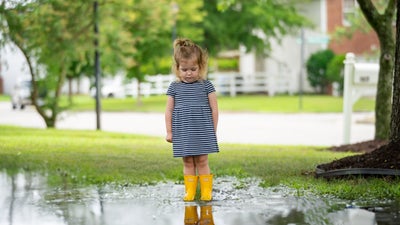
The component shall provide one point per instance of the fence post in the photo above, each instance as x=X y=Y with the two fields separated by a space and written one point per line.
x=232 y=85
x=270 y=84
x=348 y=95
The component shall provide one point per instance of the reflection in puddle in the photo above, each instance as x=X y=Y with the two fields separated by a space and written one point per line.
x=192 y=217
x=27 y=199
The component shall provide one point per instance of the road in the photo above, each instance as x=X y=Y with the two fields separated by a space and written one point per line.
x=315 y=129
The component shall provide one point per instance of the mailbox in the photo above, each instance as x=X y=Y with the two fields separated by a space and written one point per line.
x=366 y=73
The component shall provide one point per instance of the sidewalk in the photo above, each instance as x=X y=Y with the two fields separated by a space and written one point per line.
x=254 y=128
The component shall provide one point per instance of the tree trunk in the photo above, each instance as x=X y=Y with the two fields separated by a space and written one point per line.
x=395 y=122
x=383 y=26
x=69 y=90
x=138 y=97
x=383 y=106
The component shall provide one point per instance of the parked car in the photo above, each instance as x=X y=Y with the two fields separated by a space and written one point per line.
x=21 y=94
x=109 y=91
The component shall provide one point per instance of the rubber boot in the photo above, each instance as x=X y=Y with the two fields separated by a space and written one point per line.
x=206 y=182
x=190 y=187
x=206 y=217
x=191 y=217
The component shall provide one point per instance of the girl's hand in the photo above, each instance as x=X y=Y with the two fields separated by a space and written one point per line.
x=168 y=138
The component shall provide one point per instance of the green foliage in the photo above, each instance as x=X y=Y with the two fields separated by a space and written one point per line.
x=227 y=64
x=162 y=66
x=316 y=67
x=335 y=71
x=51 y=36
x=230 y=24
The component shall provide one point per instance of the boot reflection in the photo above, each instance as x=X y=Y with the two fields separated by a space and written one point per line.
x=206 y=217
x=191 y=217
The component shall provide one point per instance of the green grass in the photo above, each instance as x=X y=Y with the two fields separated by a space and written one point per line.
x=243 y=103
x=4 y=98
x=97 y=157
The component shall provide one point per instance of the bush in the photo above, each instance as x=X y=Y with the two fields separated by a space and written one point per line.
x=317 y=66
x=335 y=71
x=227 y=64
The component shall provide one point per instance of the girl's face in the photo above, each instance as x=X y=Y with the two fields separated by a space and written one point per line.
x=189 y=70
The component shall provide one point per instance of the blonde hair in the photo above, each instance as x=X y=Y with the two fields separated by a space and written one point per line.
x=185 y=49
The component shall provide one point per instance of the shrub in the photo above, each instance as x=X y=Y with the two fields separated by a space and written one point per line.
x=335 y=71
x=316 y=69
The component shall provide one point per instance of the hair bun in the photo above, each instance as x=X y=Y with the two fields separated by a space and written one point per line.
x=183 y=42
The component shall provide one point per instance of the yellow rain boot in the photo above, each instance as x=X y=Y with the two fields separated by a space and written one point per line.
x=206 y=182
x=190 y=187
x=191 y=216
x=206 y=217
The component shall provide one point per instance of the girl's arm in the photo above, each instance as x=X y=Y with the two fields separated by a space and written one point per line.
x=212 y=99
x=168 y=118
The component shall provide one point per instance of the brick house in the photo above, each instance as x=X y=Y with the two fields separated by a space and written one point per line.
x=286 y=58
x=360 y=43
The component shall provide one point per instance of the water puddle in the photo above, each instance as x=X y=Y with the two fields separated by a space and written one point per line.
x=27 y=199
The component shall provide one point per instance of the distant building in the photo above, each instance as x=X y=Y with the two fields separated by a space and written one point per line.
x=360 y=43
x=285 y=59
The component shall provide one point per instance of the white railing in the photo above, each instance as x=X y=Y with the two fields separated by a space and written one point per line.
x=234 y=83
x=225 y=84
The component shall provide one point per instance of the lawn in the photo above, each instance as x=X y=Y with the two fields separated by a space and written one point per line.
x=4 y=98
x=243 y=103
x=97 y=157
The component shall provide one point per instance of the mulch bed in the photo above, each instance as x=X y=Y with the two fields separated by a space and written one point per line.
x=375 y=154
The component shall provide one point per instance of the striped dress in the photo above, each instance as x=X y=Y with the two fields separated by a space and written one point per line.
x=192 y=124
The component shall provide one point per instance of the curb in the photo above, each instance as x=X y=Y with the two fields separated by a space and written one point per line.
x=356 y=171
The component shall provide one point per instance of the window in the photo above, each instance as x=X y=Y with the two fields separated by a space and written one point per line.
x=349 y=10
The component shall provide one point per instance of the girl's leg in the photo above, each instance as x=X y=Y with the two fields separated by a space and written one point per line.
x=189 y=166
x=201 y=163
x=190 y=178
x=206 y=179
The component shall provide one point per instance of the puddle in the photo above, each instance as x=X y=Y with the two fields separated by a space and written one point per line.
x=27 y=199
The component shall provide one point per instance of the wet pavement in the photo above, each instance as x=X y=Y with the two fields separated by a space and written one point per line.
x=27 y=199
x=313 y=129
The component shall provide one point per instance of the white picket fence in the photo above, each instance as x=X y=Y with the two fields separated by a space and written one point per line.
x=225 y=84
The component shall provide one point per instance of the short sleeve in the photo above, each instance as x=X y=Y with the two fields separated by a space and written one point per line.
x=171 y=89
x=209 y=86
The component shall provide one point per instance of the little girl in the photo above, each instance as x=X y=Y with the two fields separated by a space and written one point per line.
x=191 y=117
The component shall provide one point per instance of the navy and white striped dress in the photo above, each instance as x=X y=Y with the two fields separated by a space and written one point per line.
x=192 y=124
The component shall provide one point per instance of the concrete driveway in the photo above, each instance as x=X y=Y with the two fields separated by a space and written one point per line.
x=323 y=129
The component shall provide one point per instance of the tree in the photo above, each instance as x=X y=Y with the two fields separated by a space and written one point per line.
x=55 y=38
x=395 y=117
x=151 y=30
x=232 y=23
x=386 y=156
x=49 y=34
x=383 y=26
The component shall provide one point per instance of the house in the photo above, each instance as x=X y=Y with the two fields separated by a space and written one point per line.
x=287 y=58
x=360 y=43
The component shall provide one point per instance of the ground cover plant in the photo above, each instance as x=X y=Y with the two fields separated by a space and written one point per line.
x=97 y=157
